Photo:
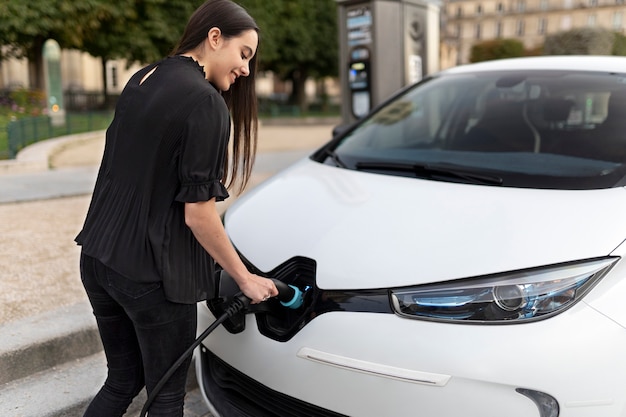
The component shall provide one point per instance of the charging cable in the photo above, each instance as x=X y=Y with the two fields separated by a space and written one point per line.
x=288 y=295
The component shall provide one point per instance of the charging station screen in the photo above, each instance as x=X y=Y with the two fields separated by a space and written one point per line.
x=358 y=76
x=359 y=24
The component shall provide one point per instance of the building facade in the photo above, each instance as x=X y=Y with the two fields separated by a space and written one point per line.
x=79 y=71
x=82 y=80
x=468 y=22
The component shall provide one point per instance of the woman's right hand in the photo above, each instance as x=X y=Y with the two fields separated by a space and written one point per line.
x=258 y=288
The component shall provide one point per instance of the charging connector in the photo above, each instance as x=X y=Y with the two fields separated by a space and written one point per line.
x=289 y=296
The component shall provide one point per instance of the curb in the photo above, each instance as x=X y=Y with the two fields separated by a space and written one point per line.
x=36 y=157
x=37 y=343
x=52 y=364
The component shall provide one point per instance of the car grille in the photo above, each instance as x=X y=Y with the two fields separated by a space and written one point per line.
x=233 y=394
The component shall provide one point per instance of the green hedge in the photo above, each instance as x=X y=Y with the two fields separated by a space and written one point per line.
x=19 y=133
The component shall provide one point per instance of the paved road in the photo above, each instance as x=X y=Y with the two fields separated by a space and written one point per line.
x=47 y=185
x=72 y=181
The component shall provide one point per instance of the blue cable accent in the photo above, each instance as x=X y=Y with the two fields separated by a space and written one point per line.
x=296 y=301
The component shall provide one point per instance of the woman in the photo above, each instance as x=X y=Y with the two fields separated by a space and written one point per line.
x=152 y=233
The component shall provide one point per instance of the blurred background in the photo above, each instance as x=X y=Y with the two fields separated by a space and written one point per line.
x=103 y=42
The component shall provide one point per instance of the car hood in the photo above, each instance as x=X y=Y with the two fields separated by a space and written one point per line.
x=369 y=230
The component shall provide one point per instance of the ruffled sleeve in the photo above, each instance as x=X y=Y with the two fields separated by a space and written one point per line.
x=204 y=147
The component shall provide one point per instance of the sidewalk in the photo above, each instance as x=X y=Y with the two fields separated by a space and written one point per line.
x=37 y=228
x=48 y=333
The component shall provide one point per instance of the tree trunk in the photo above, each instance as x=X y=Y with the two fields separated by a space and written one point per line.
x=36 y=76
x=105 y=88
x=322 y=94
x=298 y=93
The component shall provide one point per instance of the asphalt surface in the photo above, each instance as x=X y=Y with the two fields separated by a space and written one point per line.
x=44 y=196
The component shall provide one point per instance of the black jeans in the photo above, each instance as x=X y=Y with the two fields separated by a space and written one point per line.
x=143 y=334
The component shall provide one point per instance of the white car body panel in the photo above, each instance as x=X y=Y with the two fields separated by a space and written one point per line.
x=566 y=63
x=607 y=296
x=425 y=226
x=484 y=364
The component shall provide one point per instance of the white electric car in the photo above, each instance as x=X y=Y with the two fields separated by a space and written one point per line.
x=460 y=250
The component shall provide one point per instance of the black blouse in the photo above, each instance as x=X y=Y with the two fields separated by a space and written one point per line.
x=165 y=147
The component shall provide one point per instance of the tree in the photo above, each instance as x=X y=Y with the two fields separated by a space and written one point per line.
x=581 y=41
x=26 y=24
x=619 y=45
x=299 y=40
x=108 y=39
x=137 y=30
x=497 y=49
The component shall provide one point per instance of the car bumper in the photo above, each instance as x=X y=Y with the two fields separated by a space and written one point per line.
x=374 y=364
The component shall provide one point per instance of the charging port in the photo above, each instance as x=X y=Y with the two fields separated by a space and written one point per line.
x=277 y=319
x=280 y=323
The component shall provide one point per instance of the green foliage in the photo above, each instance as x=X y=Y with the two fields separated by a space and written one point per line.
x=16 y=105
x=17 y=133
x=297 y=34
x=26 y=24
x=23 y=103
x=619 y=45
x=299 y=39
x=138 y=30
x=497 y=49
x=581 y=41
x=4 y=137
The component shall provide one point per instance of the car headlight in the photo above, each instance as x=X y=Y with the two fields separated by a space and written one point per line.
x=504 y=298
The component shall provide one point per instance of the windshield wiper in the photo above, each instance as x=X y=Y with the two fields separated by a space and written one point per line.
x=432 y=172
x=332 y=155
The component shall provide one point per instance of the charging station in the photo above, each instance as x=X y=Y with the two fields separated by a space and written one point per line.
x=384 y=45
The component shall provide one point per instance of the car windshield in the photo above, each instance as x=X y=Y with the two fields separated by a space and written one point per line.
x=537 y=129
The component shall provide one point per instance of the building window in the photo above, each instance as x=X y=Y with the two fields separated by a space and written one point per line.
x=521 y=6
x=479 y=9
x=544 y=4
x=619 y=1
x=617 y=20
x=519 y=28
x=567 y=4
x=454 y=30
x=542 y=26
x=500 y=8
x=566 y=22
x=593 y=3
x=498 y=29
x=457 y=30
x=459 y=11
x=478 y=29
x=591 y=20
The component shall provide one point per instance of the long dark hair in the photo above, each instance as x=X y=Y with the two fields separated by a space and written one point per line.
x=232 y=20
